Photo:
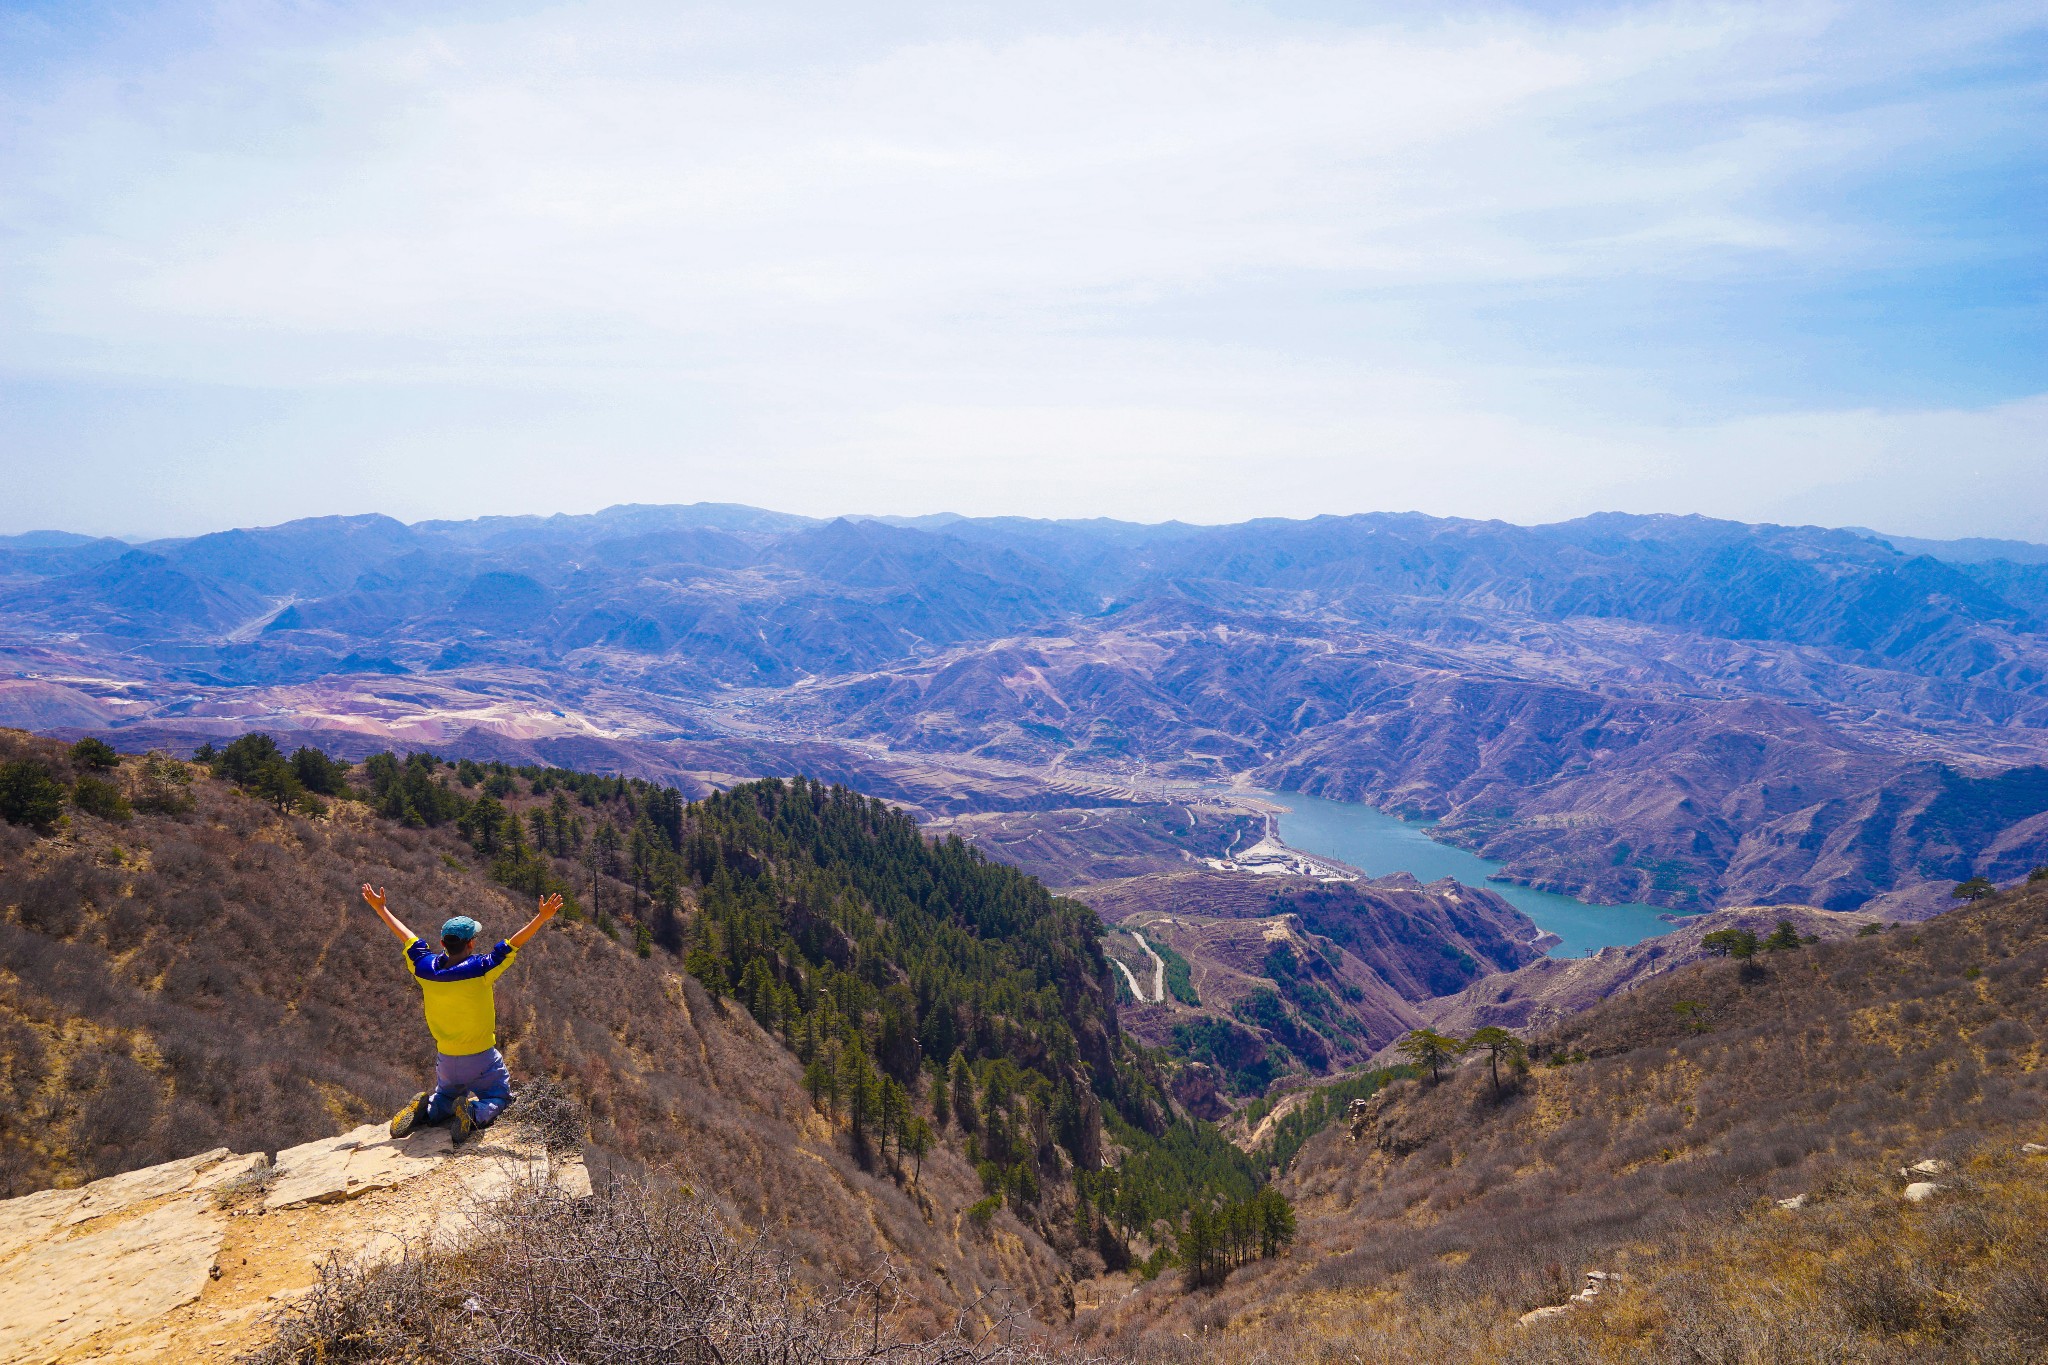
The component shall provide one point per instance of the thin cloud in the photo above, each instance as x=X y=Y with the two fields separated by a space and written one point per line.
x=715 y=241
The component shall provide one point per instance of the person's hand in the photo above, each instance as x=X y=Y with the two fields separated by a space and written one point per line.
x=550 y=904
x=375 y=896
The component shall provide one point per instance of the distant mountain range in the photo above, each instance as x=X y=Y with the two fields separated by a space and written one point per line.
x=1673 y=709
x=1969 y=550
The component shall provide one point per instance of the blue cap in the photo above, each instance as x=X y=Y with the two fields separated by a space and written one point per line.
x=462 y=927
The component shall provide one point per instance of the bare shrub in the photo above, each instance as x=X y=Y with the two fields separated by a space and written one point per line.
x=2015 y=1320
x=629 y=1276
x=558 y=1118
x=1879 y=1294
x=244 y=1189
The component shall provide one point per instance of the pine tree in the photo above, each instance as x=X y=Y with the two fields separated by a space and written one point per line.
x=1198 y=1247
x=1275 y=1221
x=707 y=964
x=941 y=1093
x=95 y=754
x=917 y=1140
x=965 y=1110
x=1427 y=1047
x=30 y=794
x=893 y=1116
x=1739 y=944
x=1782 y=939
x=1497 y=1043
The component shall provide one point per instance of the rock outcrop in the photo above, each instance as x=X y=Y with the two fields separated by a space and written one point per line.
x=1597 y=1283
x=183 y=1261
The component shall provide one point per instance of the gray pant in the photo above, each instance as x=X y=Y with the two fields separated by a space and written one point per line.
x=482 y=1074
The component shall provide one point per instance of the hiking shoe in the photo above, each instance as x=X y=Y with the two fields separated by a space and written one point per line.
x=412 y=1116
x=465 y=1120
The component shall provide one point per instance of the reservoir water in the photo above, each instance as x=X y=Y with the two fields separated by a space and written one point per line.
x=1381 y=844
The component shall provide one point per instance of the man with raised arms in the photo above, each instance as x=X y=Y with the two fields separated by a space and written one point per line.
x=456 y=985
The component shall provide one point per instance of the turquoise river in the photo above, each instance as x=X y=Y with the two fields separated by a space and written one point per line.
x=1381 y=844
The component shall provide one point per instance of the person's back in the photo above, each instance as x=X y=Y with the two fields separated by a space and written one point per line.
x=458 y=995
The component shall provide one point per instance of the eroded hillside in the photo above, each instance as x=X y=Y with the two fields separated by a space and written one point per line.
x=1272 y=976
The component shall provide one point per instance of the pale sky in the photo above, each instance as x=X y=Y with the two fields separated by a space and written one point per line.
x=1781 y=261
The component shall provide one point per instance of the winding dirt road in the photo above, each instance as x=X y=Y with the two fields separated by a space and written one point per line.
x=1158 y=973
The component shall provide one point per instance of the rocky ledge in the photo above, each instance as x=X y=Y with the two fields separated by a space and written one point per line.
x=185 y=1261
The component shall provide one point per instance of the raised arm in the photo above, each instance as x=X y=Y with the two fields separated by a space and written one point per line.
x=541 y=916
x=375 y=896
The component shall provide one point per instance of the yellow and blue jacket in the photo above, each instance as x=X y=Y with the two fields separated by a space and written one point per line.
x=462 y=1009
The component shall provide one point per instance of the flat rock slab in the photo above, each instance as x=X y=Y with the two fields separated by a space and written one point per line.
x=121 y=1270
x=1539 y=1314
x=570 y=1175
x=36 y=1217
x=118 y=1192
x=63 y=1290
x=368 y=1158
x=33 y=1217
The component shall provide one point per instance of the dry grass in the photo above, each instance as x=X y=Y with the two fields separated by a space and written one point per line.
x=1858 y=1278
x=634 y=1275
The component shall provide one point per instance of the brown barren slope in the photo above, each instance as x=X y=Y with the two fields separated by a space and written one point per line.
x=1550 y=989
x=1651 y=1138
x=1342 y=966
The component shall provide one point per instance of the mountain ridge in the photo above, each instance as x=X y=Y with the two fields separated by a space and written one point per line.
x=1732 y=707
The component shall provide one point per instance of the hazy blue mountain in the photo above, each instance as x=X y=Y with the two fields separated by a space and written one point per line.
x=1672 y=708
x=306 y=557
x=625 y=519
x=1967 y=550
x=45 y=540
